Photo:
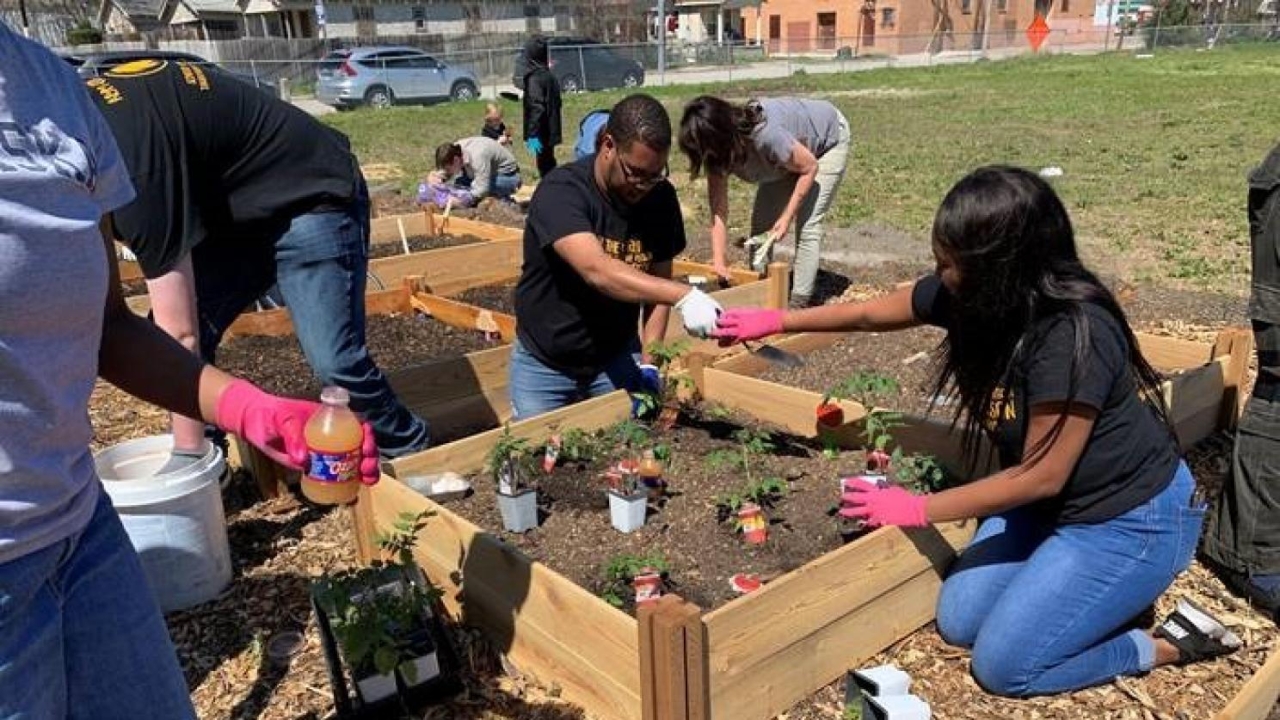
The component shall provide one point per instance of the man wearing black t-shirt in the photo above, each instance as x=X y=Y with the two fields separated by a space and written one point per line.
x=598 y=245
x=237 y=191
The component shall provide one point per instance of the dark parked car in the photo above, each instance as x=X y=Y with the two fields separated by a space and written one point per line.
x=91 y=65
x=584 y=64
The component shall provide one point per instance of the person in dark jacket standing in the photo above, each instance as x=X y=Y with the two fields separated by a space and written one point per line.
x=1242 y=542
x=541 y=107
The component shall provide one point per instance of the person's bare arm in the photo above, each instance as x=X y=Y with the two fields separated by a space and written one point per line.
x=173 y=308
x=887 y=312
x=1035 y=478
x=718 y=199
x=804 y=165
x=613 y=277
x=139 y=358
x=656 y=316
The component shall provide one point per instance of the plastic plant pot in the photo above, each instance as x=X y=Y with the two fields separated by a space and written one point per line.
x=755 y=528
x=519 y=510
x=878 y=681
x=373 y=688
x=627 y=512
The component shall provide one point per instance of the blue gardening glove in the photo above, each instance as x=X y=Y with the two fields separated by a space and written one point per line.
x=534 y=146
x=644 y=399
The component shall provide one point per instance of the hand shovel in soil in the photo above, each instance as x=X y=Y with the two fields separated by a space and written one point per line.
x=775 y=355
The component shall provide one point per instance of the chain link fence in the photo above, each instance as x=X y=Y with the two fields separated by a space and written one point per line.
x=298 y=68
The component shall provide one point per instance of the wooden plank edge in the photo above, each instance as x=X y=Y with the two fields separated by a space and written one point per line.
x=468 y=455
x=1257 y=698
x=545 y=652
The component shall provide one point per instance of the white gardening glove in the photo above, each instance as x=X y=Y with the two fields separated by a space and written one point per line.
x=699 y=312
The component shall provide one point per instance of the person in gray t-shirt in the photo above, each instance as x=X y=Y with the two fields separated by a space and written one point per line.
x=81 y=633
x=482 y=164
x=793 y=149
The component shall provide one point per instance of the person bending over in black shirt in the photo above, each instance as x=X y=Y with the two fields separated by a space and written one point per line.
x=598 y=244
x=237 y=191
x=1092 y=515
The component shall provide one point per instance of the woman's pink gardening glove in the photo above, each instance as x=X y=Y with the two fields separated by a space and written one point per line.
x=275 y=426
x=892 y=505
x=738 y=324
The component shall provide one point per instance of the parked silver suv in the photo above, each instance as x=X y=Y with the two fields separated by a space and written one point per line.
x=384 y=76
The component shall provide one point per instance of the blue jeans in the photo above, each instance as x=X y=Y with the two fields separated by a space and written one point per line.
x=1045 y=608
x=319 y=262
x=538 y=389
x=500 y=186
x=81 y=635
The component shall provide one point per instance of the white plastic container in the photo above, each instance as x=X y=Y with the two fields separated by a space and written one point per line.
x=627 y=512
x=175 y=520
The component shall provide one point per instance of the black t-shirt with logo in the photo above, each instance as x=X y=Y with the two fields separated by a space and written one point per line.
x=212 y=156
x=1130 y=456
x=563 y=321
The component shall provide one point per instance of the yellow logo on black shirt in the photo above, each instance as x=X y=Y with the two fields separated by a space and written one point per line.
x=1000 y=410
x=631 y=252
x=137 y=68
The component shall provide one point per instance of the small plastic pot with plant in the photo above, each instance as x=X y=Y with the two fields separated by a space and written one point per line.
x=511 y=463
x=634 y=580
x=381 y=627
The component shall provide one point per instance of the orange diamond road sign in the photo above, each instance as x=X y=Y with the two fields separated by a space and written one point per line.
x=1037 y=32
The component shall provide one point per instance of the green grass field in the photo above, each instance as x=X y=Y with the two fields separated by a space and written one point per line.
x=1155 y=151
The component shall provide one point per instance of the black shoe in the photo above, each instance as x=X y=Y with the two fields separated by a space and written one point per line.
x=1196 y=634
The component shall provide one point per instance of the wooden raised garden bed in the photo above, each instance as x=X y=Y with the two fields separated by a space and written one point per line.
x=750 y=658
x=759 y=654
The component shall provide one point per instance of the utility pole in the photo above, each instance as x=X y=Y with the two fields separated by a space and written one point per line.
x=662 y=42
x=22 y=10
x=1111 y=11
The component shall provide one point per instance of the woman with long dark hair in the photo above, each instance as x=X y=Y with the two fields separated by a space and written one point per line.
x=793 y=149
x=1092 y=515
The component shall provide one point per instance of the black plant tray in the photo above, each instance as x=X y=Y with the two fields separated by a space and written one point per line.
x=346 y=699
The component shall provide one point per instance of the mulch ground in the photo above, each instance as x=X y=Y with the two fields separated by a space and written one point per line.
x=279 y=546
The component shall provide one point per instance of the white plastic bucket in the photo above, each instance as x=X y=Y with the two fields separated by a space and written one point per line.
x=174 y=520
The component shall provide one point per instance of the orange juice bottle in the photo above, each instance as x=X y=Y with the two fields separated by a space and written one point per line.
x=334 y=437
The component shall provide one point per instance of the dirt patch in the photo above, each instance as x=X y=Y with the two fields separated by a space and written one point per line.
x=499 y=298
x=419 y=243
x=395 y=341
x=577 y=539
x=904 y=356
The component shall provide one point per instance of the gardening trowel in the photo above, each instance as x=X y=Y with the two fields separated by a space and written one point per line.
x=775 y=355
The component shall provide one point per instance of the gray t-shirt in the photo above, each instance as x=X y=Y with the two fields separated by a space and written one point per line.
x=815 y=123
x=59 y=173
x=485 y=159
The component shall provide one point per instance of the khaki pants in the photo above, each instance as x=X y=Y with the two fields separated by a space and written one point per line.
x=772 y=198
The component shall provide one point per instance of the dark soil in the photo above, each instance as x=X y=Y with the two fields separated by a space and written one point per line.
x=419 y=243
x=575 y=536
x=499 y=298
x=906 y=356
x=395 y=341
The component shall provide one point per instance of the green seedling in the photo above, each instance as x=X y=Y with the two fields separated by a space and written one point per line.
x=510 y=461
x=918 y=473
x=765 y=493
x=622 y=569
x=370 y=609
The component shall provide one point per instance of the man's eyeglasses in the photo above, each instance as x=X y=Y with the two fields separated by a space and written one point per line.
x=636 y=179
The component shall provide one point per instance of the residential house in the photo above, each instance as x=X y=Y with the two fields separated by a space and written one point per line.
x=698 y=21
x=910 y=26
x=208 y=19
